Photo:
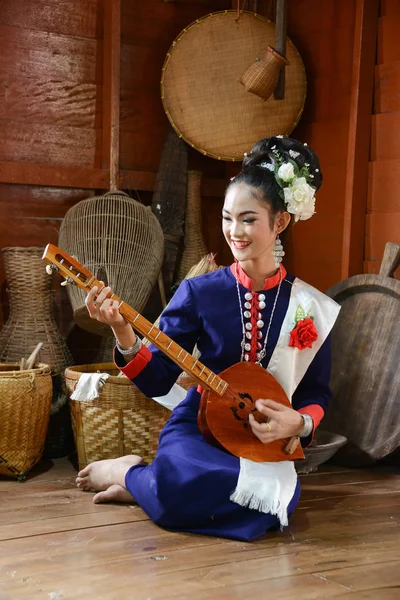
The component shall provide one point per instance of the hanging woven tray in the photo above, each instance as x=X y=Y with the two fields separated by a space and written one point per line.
x=203 y=98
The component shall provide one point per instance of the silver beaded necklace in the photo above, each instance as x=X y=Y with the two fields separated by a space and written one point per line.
x=263 y=352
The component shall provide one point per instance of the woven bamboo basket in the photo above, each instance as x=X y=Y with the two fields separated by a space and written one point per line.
x=120 y=421
x=25 y=401
x=261 y=77
x=194 y=244
x=31 y=317
x=201 y=93
x=169 y=200
x=121 y=242
x=31 y=320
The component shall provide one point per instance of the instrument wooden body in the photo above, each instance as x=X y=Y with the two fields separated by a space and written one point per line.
x=228 y=398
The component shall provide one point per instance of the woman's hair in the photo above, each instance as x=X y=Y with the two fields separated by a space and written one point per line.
x=262 y=180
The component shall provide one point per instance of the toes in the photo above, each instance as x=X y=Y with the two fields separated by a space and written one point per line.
x=84 y=471
x=82 y=484
x=100 y=497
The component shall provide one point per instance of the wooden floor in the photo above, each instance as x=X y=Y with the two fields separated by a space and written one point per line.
x=343 y=541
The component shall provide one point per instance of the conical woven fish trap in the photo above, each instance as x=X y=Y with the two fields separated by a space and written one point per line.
x=201 y=90
x=120 y=241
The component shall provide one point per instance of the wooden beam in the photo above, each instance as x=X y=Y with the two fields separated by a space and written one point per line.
x=53 y=176
x=280 y=45
x=111 y=89
x=93 y=179
x=358 y=148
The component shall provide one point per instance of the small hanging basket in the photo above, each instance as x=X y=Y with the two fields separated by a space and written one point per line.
x=261 y=77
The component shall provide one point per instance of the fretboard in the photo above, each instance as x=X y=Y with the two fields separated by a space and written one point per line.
x=188 y=363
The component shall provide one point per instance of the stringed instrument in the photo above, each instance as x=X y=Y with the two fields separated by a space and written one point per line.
x=227 y=399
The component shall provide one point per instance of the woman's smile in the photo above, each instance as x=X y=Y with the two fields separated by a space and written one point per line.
x=240 y=244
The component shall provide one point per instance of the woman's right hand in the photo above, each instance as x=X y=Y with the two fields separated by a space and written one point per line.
x=104 y=309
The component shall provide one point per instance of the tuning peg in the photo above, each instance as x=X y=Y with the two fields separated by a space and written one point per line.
x=67 y=281
x=50 y=268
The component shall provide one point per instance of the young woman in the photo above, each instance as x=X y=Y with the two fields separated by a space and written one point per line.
x=253 y=311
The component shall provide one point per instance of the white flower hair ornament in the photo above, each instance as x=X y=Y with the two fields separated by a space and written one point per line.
x=295 y=183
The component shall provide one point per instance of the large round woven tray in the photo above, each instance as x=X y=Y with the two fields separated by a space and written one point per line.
x=201 y=93
x=120 y=421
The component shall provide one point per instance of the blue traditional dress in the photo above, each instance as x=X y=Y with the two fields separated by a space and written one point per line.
x=189 y=485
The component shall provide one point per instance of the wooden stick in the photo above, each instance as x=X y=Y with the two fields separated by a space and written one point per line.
x=111 y=89
x=280 y=45
x=32 y=358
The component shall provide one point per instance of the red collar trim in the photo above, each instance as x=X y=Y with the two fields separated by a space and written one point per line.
x=246 y=282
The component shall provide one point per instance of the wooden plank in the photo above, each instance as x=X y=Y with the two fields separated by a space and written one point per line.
x=34 y=54
x=316 y=47
x=343 y=538
x=389 y=8
x=18 y=201
x=158 y=23
x=381 y=228
x=383 y=196
x=315 y=270
x=385 y=136
x=328 y=139
x=323 y=232
x=48 y=144
x=308 y=17
x=359 y=137
x=320 y=91
x=388 y=40
x=27 y=173
x=387 y=88
x=67 y=17
x=45 y=101
x=66 y=177
x=111 y=90
x=280 y=43
x=207 y=568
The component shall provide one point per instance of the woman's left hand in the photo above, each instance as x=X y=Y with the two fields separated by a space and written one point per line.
x=283 y=422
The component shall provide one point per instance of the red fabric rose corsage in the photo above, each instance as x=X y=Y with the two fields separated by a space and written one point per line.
x=304 y=333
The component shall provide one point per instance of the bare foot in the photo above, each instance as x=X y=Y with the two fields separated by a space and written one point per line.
x=102 y=474
x=115 y=493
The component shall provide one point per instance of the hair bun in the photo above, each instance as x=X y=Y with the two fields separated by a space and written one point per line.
x=290 y=150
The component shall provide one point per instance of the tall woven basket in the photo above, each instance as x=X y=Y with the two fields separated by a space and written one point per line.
x=120 y=421
x=169 y=200
x=194 y=244
x=25 y=401
x=31 y=317
x=31 y=321
x=121 y=242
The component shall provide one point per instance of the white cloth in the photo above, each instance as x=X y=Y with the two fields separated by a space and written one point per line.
x=173 y=398
x=269 y=487
x=266 y=487
x=89 y=386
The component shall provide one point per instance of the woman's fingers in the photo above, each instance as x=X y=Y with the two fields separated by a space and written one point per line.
x=264 y=431
x=90 y=302
x=259 y=427
x=271 y=404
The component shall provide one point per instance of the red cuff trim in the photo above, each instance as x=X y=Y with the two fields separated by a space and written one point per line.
x=246 y=282
x=137 y=364
x=316 y=412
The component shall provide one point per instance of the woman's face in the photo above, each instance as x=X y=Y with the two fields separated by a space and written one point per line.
x=246 y=225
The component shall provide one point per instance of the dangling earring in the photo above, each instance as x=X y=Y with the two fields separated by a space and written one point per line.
x=277 y=251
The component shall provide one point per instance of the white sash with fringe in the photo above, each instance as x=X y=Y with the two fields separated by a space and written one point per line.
x=269 y=487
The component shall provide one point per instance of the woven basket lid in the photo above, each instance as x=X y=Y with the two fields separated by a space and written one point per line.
x=201 y=93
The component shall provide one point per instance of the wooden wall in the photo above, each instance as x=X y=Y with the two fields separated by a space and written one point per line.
x=51 y=116
x=323 y=32
x=383 y=210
